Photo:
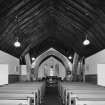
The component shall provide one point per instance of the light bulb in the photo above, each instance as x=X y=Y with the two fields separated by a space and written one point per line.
x=17 y=44
x=70 y=57
x=33 y=58
x=86 y=42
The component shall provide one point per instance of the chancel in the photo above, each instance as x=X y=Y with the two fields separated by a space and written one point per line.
x=52 y=52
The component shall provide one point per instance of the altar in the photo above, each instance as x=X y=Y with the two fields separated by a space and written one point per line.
x=52 y=81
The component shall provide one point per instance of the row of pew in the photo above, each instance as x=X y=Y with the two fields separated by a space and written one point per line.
x=27 y=93
x=75 y=93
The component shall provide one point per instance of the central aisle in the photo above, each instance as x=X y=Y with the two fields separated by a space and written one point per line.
x=52 y=96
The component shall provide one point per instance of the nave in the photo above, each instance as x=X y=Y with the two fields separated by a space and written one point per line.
x=52 y=52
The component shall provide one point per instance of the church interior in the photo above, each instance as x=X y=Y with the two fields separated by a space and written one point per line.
x=52 y=52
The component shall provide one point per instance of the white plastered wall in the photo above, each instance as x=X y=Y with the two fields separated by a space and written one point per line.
x=92 y=62
x=13 y=62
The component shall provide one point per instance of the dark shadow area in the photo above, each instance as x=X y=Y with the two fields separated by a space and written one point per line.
x=51 y=96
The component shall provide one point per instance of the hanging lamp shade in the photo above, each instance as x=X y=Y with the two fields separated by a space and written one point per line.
x=86 y=42
x=70 y=57
x=17 y=44
x=33 y=58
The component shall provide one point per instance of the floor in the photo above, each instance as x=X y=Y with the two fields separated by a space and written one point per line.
x=52 y=96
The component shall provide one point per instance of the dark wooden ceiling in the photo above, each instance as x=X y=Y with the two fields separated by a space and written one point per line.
x=62 y=24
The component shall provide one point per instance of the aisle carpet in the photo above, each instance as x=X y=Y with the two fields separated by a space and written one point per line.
x=52 y=96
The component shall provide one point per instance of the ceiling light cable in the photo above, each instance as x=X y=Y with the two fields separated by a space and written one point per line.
x=17 y=43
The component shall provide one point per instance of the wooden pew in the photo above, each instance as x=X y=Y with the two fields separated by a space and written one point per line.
x=87 y=99
x=80 y=90
x=99 y=101
x=17 y=91
x=34 y=85
x=16 y=99
x=15 y=102
x=19 y=95
x=83 y=92
x=78 y=86
x=21 y=92
x=71 y=95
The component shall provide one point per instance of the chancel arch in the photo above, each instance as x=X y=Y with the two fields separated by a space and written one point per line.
x=51 y=66
x=53 y=52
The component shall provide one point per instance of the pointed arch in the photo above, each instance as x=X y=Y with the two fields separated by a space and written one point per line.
x=53 y=57
x=55 y=63
x=51 y=52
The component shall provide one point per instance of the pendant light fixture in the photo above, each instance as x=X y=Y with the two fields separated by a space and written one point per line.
x=17 y=43
x=70 y=57
x=86 y=42
x=33 y=58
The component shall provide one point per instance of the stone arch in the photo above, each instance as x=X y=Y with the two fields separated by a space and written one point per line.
x=53 y=52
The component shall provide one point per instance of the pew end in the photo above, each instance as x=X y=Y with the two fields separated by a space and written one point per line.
x=89 y=101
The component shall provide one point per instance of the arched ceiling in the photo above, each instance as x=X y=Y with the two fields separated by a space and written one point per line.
x=62 y=24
